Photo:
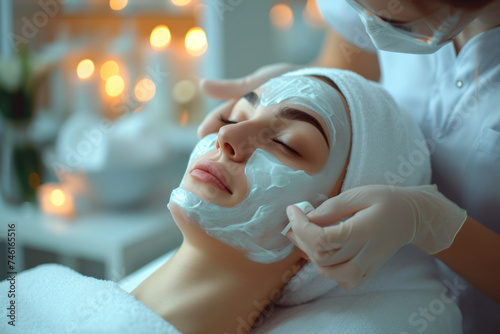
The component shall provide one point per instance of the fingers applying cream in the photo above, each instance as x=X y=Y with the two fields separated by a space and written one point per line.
x=305 y=207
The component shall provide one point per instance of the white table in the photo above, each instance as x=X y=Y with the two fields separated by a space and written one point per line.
x=123 y=241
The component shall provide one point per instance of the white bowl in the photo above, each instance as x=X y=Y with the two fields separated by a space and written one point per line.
x=130 y=187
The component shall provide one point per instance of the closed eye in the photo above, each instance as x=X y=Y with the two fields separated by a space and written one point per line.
x=288 y=148
x=225 y=120
x=291 y=150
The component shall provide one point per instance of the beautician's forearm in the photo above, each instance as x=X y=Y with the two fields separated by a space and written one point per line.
x=475 y=255
x=338 y=53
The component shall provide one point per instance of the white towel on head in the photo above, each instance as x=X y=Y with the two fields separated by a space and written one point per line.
x=387 y=148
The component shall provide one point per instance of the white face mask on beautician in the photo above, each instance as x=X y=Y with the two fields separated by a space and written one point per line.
x=417 y=37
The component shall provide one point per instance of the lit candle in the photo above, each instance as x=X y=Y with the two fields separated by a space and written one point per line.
x=118 y=72
x=86 y=89
x=55 y=199
x=153 y=86
x=114 y=86
x=185 y=91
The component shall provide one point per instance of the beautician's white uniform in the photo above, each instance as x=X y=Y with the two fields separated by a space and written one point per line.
x=458 y=110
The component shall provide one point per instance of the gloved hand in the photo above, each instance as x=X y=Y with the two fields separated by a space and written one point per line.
x=379 y=221
x=232 y=90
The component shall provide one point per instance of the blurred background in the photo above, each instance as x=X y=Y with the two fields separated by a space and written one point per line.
x=99 y=105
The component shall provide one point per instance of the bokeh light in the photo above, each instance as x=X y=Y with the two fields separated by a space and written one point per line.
x=57 y=197
x=281 y=16
x=85 y=69
x=181 y=2
x=114 y=85
x=117 y=4
x=312 y=14
x=145 y=90
x=184 y=91
x=196 y=41
x=109 y=68
x=160 y=37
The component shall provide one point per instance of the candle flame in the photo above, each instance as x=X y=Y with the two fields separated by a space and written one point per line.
x=57 y=197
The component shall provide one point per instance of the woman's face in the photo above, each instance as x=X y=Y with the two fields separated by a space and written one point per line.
x=295 y=135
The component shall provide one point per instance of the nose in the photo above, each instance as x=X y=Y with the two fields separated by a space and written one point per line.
x=238 y=141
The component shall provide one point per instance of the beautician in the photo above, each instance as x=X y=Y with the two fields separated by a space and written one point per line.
x=440 y=59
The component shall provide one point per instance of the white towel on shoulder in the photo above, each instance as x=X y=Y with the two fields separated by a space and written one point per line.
x=52 y=298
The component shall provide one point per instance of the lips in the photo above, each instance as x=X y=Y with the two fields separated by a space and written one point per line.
x=211 y=173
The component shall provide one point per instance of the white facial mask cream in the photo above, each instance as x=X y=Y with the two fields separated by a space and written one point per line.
x=254 y=225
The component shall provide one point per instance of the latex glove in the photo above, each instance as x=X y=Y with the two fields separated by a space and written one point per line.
x=381 y=220
x=234 y=89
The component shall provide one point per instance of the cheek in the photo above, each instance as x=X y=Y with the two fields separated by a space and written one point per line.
x=315 y=158
x=320 y=158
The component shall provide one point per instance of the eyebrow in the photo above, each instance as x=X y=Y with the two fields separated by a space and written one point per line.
x=289 y=113
x=293 y=114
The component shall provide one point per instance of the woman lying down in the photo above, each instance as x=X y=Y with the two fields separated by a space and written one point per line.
x=304 y=136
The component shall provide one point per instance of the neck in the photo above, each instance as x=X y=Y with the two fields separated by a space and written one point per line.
x=209 y=287
x=488 y=18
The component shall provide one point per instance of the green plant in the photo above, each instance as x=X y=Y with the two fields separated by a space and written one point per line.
x=19 y=79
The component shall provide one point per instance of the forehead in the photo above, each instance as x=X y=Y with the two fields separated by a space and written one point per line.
x=311 y=94
x=285 y=88
x=404 y=10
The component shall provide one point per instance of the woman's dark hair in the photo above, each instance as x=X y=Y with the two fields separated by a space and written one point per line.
x=471 y=4
x=326 y=80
